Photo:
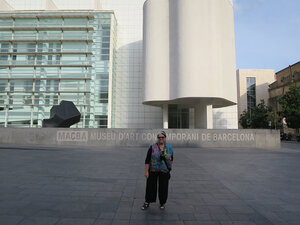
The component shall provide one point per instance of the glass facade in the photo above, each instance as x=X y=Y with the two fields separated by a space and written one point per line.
x=251 y=92
x=48 y=57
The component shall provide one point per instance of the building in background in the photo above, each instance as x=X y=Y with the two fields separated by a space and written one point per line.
x=126 y=82
x=128 y=108
x=51 y=55
x=284 y=78
x=252 y=85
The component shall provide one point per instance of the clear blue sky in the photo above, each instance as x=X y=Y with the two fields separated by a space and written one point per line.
x=267 y=33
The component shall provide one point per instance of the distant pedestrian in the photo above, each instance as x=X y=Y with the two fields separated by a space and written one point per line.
x=158 y=165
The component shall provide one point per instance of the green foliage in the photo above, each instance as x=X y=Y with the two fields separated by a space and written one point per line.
x=257 y=117
x=273 y=117
x=290 y=104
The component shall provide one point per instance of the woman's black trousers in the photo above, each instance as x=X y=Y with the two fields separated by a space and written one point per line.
x=151 y=187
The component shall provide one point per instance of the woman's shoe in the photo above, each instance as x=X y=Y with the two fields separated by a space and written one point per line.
x=145 y=206
x=162 y=206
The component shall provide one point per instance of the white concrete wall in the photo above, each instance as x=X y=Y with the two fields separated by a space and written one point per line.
x=129 y=112
x=259 y=138
x=5 y=6
x=225 y=118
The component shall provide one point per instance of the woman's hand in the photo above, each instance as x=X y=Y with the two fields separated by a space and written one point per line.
x=146 y=171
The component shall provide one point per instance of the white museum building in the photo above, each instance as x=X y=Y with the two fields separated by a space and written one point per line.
x=171 y=63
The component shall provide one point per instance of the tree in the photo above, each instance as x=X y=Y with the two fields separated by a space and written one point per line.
x=256 y=117
x=290 y=105
x=273 y=118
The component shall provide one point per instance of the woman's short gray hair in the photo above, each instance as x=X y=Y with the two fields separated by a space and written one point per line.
x=163 y=133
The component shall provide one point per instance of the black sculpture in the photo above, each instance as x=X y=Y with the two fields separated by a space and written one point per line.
x=63 y=115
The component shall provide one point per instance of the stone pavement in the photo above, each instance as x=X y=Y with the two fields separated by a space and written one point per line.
x=73 y=186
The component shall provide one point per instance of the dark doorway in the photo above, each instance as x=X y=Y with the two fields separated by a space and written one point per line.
x=178 y=117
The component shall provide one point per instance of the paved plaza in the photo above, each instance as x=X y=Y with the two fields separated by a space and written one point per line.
x=90 y=186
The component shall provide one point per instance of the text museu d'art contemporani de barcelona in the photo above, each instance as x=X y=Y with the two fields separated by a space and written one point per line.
x=85 y=136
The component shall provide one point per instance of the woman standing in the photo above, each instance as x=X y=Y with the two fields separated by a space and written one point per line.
x=158 y=165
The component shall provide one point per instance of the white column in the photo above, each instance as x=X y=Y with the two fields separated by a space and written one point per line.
x=6 y=116
x=165 y=116
x=209 y=116
x=156 y=50
x=191 y=118
x=203 y=116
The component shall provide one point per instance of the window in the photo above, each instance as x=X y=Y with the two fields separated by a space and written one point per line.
x=105 y=51
x=251 y=92
x=105 y=45
x=4 y=48
x=49 y=47
x=47 y=72
x=75 y=35
x=101 y=121
x=77 y=22
x=74 y=47
x=72 y=85
x=23 y=35
x=23 y=85
x=106 y=39
x=6 y=22
x=50 y=22
x=4 y=72
x=101 y=75
x=104 y=57
x=3 y=87
x=103 y=97
x=72 y=72
x=24 y=47
x=25 y=22
x=31 y=47
x=52 y=85
x=73 y=59
x=50 y=35
x=51 y=99
x=22 y=72
x=5 y=35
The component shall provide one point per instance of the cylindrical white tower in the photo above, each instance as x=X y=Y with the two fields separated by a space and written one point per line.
x=156 y=50
x=189 y=50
